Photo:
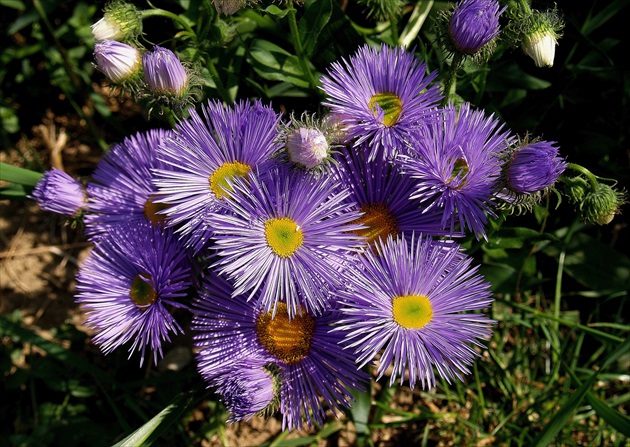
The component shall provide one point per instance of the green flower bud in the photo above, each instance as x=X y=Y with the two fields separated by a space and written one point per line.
x=601 y=204
x=575 y=188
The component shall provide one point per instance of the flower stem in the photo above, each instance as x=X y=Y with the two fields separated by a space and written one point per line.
x=592 y=179
x=450 y=84
x=297 y=44
x=163 y=13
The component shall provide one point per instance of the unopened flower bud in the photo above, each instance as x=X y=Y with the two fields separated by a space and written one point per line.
x=121 y=21
x=59 y=193
x=307 y=147
x=164 y=72
x=575 y=188
x=247 y=388
x=118 y=61
x=534 y=167
x=541 y=46
x=601 y=204
x=473 y=24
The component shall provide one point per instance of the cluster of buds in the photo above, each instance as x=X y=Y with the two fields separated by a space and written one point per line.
x=596 y=202
x=157 y=76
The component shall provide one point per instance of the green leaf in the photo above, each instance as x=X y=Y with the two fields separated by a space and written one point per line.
x=275 y=64
x=605 y=14
x=361 y=414
x=13 y=192
x=618 y=421
x=277 y=12
x=317 y=13
x=150 y=431
x=596 y=265
x=13 y=174
x=15 y=4
x=559 y=420
x=514 y=238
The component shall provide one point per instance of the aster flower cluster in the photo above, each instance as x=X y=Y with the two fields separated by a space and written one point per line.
x=304 y=251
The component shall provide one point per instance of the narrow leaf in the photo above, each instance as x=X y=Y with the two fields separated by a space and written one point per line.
x=618 y=421
x=316 y=15
x=150 y=431
x=13 y=174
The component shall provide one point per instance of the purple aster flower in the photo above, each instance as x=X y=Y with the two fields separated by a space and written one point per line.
x=59 y=193
x=205 y=152
x=381 y=194
x=407 y=302
x=118 y=61
x=455 y=165
x=287 y=235
x=128 y=285
x=122 y=190
x=380 y=94
x=164 y=72
x=473 y=24
x=248 y=387
x=312 y=369
x=533 y=168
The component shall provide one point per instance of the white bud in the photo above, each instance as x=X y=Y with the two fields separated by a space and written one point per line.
x=541 y=46
x=106 y=29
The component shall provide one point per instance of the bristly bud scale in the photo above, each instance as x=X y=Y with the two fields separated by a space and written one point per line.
x=121 y=21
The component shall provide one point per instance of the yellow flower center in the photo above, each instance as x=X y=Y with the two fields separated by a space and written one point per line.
x=380 y=222
x=412 y=311
x=391 y=105
x=227 y=171
x=151 y=210
x=283 y=235
x=141 y=292
x=460 y=171
x=288 y=340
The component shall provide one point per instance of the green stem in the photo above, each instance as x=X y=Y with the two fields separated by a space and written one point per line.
x=163 y=13
x=393 y=26
x=297 y=44
x=450 y=85
x=589 y=175
x=525 y=5
x=223 y=92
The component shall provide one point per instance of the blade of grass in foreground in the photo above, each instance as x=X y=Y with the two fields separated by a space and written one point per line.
x=21 y=176
x=150 y=431
x=560 y=419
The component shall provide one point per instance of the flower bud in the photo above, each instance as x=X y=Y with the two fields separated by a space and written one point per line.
x=600 y=205
x=121 y=21
x=247 y=388
x=307 y=147
x=59 y=193
x=473 y=24
x=541 y=46
x=534 y=167
x=164 y=73
x=118 y=61
x=575 y=188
